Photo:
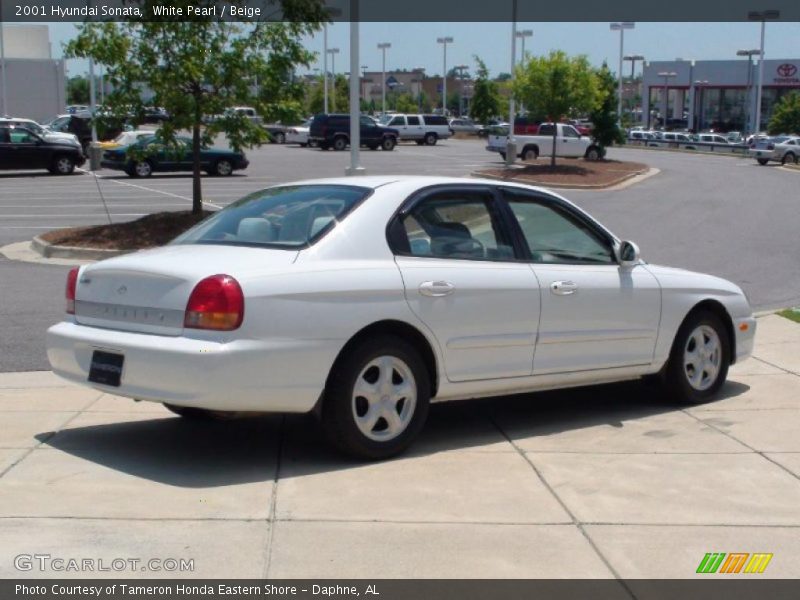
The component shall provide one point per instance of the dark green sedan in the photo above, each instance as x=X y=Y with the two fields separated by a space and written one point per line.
x=150 y=155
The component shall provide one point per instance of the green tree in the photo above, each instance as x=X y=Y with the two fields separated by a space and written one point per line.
x=485 y=97
x=786 y=116
x=195 y=67
x=338 y=95
x=605 y=130
x=78 y=90
x=406 y=104
x=557 y=85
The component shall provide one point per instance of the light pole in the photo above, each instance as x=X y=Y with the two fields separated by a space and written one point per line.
x=460 y=69
x=525 y=33
x=748 y=118
x=667 y=75
x=621 y=27
x=3 y=88
x=444 y=41
x=511 y=145
x=333 y=52
x=700 y=85
x=355 y=167
x=763 y=16
x=382 y=47
x=421 y=86
x=633 y=58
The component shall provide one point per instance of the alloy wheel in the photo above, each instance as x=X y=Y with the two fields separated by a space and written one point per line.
x=384 y=398
x=702 y=357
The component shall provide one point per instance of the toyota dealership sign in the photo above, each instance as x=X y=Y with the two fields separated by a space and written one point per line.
x=786 y=74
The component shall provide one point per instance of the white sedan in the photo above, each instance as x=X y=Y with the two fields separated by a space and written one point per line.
x=365 y=299
x=298 y=134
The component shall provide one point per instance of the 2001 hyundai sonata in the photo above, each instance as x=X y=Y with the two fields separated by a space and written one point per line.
x=364 y=300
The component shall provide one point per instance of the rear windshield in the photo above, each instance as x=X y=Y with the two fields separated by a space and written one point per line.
x=282 y=217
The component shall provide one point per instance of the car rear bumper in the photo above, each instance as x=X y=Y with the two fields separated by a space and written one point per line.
x=239 y=375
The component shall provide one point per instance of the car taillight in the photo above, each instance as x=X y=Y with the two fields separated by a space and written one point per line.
x=72 y=283
x=216 y=303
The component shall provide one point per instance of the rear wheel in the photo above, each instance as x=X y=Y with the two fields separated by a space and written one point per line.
x=142 y=168
x=388 y=143
x=699 y=360
x=62 y=165
x=430 y=139
x=376 y=399
x=592 y=153
x=280 y=138
x=790 y=158
x=529 y=154
x=340 y=143
x=762 y=161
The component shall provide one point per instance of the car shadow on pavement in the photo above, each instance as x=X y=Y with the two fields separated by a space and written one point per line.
x=198 y=454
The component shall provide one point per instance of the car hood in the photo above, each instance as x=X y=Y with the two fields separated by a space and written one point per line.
x=674 y=278
x=61 y=138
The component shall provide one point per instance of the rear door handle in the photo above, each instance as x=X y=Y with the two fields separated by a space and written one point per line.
x=563 y=288
x=436 y=288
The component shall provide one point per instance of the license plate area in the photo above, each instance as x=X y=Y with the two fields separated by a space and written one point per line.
x=106 y=368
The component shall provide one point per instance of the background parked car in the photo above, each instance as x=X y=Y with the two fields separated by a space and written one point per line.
x=41 y=131
x=464 y=125
x=333 y=131
x=150 y=155
x=298 y=134
x=782 y=149
x=81 y=126
x=423 y=129
x=20 y=148
x=126 y=138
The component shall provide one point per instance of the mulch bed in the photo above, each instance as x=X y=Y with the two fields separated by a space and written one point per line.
x=568 y=171
x=148 y=232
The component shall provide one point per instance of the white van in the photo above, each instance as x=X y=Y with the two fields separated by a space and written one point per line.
x=423 y=129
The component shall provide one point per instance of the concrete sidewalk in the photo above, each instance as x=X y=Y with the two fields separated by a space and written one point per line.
x=601 y=482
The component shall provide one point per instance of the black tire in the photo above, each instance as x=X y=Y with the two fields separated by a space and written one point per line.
x=304 y=145
x=339 y=143
x=530 y=153
x=789 y=157
x=62 y=165
x=223 y=168
x=431 y=139
x=340 y=408
x=141 y=168
x=677 y=382
x=199 y=414
x=280 y=138
x=762 y=161
x=593 y=153
x=324 y=146
x=388 y=143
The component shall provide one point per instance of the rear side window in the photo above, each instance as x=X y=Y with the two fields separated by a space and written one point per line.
x=413 y=120
x=546 y=130
x=288 y=217
x=435 y=120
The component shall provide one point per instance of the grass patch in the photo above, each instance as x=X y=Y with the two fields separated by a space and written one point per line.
x=793 y=314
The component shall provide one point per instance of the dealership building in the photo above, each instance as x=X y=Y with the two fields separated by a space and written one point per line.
x=715 y=94
x=35 y=83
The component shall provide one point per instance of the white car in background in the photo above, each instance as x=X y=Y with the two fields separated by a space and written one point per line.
x=298 y=134
x=365 y=299
x=782 y=149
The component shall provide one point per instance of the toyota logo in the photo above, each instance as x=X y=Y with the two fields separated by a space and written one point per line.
x=122 y=290
x=787 y=70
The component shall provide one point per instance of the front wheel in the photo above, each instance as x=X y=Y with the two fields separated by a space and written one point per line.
x=223 y=168
x=592 y=153
x=142 y=168
x=63 y=165
x=789 y=158
x=376 y=399
x=699 y=360
x=339 y=144
x=430 y=139
x=280 y=138
x=762 y=161
x=388 y=143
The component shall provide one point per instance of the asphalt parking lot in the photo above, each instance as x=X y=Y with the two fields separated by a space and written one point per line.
x=601 y=482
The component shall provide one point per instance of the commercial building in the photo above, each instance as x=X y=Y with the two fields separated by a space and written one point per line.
x=35 y=83
x=715 y=94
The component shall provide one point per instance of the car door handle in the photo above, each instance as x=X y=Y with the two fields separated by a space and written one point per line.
x=563 y=288
x=436 y=288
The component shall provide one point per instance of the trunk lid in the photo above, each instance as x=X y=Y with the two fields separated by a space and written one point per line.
x=147 y=291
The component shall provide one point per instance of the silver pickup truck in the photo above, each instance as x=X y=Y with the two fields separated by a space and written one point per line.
x=423 y=129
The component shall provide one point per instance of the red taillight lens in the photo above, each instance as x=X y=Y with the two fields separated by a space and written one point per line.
x=72 y=283
x=216 y=303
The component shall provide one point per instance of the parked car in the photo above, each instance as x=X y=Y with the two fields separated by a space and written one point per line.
x=150 y=155
x=126 y=138
x=783 y=149
x=569 y=143
x=363 y=301
x=423 y=129
x=464 y=125
x=44 y=133
x=298 y=134
x=333 y=131
x=20 y=148
x=713 y=138
x=81 y=126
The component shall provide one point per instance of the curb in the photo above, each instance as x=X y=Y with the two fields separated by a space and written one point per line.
x=683 y=151
x=48 y=250
x=620 y=183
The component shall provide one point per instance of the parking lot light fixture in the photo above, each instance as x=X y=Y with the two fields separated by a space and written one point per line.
x=763 y=16
x=633 y=58
x=333 y=52
x=525 y=33
x=667 y=75
x=621 y=27
x=3 y=88
x=748 y=118
x=444 y=41
x=382 y=47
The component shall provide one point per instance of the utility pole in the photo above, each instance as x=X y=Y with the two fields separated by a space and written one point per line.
x=621 y=27
x=444 y=41
x=382 y=47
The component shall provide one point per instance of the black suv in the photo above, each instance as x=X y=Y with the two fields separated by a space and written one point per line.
x=23 y=149
x=333 y=131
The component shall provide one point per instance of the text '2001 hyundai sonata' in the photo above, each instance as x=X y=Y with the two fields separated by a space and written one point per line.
x=365 y=300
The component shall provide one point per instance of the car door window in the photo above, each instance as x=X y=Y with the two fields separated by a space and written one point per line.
x=21 y=136
x=571 y=132
x=413 y=120
x=396 y=121
x=455 y=225
x=554 y=236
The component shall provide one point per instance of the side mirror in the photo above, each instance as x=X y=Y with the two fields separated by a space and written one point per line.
x=628 y=254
